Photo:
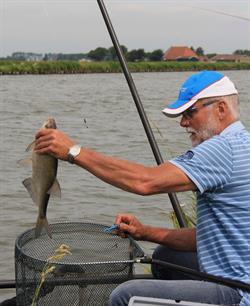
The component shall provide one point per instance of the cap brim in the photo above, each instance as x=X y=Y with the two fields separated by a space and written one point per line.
x=177 y=108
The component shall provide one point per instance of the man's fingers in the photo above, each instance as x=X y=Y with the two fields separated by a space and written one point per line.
x=43 y=140
x=124 y=227
x=42 y=146
x=123 y=218
x=43 y=132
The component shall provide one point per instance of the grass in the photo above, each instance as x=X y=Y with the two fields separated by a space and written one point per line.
x=49 y=268
x=189 y=214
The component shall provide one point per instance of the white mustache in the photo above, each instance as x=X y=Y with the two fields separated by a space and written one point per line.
x=190 y=130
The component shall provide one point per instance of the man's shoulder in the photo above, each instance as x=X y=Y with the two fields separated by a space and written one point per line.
x=225 y=145
x=217 y=142
x=235 y=130
x=212 y=151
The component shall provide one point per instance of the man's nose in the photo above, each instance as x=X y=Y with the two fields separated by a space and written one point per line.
x=184 y=121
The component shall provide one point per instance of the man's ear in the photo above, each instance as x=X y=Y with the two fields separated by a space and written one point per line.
x=222 y=109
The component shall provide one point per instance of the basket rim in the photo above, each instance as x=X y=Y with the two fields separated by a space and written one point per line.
x=24 y=255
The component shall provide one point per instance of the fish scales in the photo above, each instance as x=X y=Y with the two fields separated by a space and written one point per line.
x=43 y=182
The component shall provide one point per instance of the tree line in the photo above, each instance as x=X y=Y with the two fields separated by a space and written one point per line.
x=109 y=54
x=135 y=55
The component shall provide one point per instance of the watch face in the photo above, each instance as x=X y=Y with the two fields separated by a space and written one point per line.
x=75 y=150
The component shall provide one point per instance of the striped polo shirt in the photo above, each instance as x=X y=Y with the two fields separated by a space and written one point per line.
x=220 y=168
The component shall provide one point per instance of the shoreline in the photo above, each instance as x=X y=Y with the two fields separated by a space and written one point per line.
x=74 y=67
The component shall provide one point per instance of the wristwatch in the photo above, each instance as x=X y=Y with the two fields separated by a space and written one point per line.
x=73 y=152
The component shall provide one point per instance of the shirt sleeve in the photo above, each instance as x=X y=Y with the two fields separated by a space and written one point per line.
x=209 y=165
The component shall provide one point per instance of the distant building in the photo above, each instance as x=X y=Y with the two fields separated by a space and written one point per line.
x=85 y=60
x=230 y=58
x=203 y=58
x=50 y=57
x=27 y=56
x=180 y=54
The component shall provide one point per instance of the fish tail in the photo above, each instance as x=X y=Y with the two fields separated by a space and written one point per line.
x=40 y=224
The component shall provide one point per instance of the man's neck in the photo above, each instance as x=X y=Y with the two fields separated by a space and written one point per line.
x=227 y=123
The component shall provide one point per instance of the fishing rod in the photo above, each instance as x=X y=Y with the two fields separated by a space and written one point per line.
x=159 y=160
x=148 y=260
x=202 y=275
x=172 y=196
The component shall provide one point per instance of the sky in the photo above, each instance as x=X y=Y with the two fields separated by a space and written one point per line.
x=77 y=26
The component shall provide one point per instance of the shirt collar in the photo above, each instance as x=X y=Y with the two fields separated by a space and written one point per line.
x=232 y=128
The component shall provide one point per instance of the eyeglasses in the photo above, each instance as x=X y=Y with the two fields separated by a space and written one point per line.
x=188 y=114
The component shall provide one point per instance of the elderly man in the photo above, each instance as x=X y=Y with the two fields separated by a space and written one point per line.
x=217 y=168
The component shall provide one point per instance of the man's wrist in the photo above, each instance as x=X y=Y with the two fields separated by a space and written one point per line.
x=145 y=233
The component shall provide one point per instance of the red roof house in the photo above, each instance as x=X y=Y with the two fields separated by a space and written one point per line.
x=180 y=54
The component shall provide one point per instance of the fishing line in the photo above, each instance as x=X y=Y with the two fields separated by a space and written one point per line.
x=220 y=13
x=172 y=196
x=176 y=205
x=44 y=8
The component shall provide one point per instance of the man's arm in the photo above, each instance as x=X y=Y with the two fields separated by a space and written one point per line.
x=134 y=177
x=123 y=174
x=179 y=239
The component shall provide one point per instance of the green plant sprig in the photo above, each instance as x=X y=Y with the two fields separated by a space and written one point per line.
x=49 y=268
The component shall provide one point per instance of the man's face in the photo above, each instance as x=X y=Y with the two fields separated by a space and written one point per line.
x=200 y=121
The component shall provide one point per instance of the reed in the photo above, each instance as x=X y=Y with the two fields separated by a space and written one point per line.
x=73 y=67
x=49 y=268
x=189 y=213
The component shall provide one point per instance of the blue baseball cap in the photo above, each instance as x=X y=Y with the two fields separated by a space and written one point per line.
x=200 y=85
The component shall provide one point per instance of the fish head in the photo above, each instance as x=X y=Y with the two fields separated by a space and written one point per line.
x=50 y=123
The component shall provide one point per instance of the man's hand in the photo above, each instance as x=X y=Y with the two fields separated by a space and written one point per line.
x=183 y=239
x=129 y=224
x=54 y=142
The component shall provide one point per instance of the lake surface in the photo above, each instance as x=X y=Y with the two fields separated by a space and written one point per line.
x=97 y=110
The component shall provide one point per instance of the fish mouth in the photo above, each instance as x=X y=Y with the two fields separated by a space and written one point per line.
x=50 y=123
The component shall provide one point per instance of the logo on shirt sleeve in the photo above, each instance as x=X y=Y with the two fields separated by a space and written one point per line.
x=186 y=156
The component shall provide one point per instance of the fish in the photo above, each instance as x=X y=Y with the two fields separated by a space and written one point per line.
x=43 y=183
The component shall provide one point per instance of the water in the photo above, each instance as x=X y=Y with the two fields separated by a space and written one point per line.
x=98 y=112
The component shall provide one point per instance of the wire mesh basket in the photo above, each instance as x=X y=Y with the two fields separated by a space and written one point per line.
x=98 y=262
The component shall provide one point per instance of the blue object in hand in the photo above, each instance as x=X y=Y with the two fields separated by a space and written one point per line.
x=111 y=228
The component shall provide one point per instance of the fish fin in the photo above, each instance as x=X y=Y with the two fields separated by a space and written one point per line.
x=40 y=224
x=31 y=146
x=28 y=184
x=25 y=162
x=55 y=189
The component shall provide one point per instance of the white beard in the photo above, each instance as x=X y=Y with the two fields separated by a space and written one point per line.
x=206 y=131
